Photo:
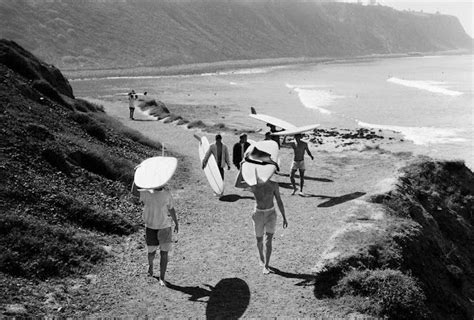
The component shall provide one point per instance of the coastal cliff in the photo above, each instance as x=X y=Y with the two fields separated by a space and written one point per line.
x=98 y=35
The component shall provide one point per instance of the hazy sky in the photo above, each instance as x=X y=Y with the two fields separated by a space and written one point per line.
x=463 y=9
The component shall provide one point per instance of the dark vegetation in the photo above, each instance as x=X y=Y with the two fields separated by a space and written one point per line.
x=66 y=171
x=171 y=33
x=416 y=263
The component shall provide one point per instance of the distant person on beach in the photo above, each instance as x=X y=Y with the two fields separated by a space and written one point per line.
x=221 y=154
x=299 y=148
x=157 y=211
x=239 y=150
x=131 y=103
x=264 y=216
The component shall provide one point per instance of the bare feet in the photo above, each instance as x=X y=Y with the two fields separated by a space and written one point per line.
x=162 y=283
x=266 y=270
x=294 y=191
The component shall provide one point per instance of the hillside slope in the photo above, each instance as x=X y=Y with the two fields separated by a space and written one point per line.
x=117 y=35
x=66 y=169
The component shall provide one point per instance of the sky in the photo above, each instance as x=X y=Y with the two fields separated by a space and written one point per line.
x=462 y=9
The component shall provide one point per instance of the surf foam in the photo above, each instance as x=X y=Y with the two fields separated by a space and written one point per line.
x=431 y=86
x=312 y=97
x=421 y=135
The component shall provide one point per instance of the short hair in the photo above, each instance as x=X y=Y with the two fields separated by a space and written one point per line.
x=218 y=137
x=243 y=135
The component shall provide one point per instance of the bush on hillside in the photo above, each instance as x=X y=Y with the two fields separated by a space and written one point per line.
x=86 y=106
x=387 y=293
x=31 y=248
x=103 y=164
x=80 y=213
x=90 y=125
x=45 y=88
x=56 y=159
x=96 y=131
x=196 y=124
x=117 y=126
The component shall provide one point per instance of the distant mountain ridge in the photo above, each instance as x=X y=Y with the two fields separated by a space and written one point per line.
x=99 y=35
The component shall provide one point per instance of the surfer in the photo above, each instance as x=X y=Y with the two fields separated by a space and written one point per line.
x=131 y=103
x=221 y=154
x=158 y=208
x=273 y=129
x=299 y=148
x=264 y=216
x=239 y=150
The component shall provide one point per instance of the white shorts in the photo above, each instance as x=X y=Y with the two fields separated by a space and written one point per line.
x=297 y=165
x=264 y=221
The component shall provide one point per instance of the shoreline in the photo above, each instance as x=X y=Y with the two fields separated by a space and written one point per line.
x=219 y=66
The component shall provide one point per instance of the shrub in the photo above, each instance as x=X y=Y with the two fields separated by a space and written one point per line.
x=45 y=88
x=140 y=138
x=196 y=124
x=95 y=130
x=39 y=131
x=79 y=213
x=56 y=159
x=105 y=165
x=390 y=293
x=86 y=106
x=33 y=249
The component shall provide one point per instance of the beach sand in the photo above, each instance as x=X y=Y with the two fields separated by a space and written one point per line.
x=213 y=269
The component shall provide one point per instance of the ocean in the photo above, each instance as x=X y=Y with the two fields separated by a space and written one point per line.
x=429 y=100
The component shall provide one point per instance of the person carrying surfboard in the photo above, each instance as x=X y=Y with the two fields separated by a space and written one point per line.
x=131 y=103
x=299 y=148
x=239 y=150
x=221 y=154
x=257 y=169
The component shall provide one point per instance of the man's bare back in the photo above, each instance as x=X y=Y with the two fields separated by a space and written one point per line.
x=265 y=193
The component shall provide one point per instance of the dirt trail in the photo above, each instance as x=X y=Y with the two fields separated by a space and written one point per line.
x=213 y=270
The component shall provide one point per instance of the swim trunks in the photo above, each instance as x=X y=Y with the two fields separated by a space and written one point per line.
x=297 y=165
x=264 y=221
x=158 y=238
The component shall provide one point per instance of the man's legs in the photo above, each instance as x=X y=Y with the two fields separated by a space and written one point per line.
x=151 y=257
x=292 y=179
x=163 y=265
x=260 y=250
x=301 y=180
x=268 y=252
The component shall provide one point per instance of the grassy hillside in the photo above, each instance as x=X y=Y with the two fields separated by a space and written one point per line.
x=66 y=171
x=156 y=33
x=409 y=254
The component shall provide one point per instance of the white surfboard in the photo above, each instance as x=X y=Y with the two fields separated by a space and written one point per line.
x=211 y=170
x=155 y=172
x=272 y=120
x=258 y=173
x=296 y=130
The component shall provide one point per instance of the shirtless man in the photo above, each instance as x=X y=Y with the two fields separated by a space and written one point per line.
x=299 y=147
x=264 y=218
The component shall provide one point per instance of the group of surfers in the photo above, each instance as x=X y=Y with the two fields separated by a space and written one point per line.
x=159 y=212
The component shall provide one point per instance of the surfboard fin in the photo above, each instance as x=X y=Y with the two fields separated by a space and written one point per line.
x=252 y=110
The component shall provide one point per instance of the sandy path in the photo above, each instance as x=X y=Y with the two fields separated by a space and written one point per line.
x=214 y=270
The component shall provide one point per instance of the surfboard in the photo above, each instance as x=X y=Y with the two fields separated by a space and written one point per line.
x=255 y=173
x=155 y=172
x=296 y=130
x=272 y=120
x=211 y=170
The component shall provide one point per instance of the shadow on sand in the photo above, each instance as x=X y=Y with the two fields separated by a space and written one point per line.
x=338 y=200
x=234 y=198
x=306 y=177
x=228 y=299
x=308 y=279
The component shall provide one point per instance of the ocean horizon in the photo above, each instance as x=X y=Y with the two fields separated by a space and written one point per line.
x=428 y=100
